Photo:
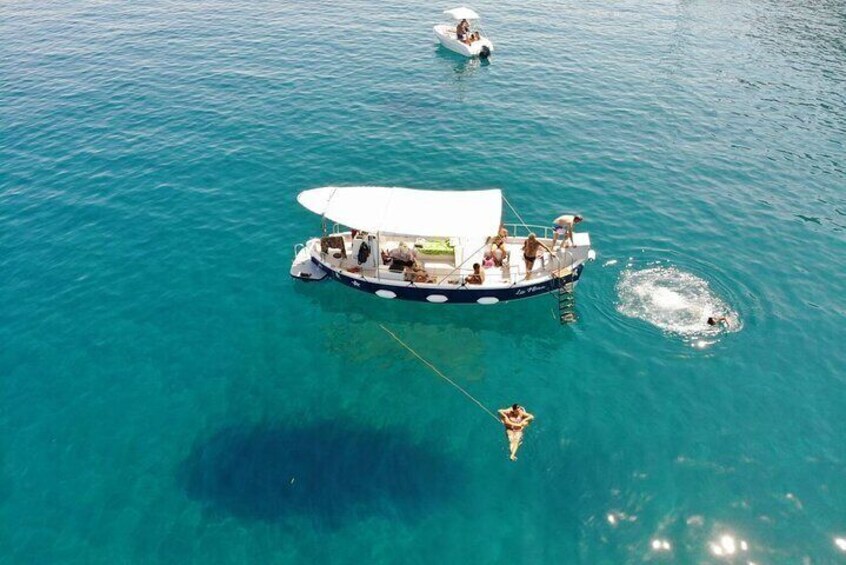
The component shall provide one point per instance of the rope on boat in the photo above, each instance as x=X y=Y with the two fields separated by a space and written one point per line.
x=323 y=215
x=440 y=374
x=519 y=217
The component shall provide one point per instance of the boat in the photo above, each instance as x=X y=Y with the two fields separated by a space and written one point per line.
x=445 y=34
x=365 y=229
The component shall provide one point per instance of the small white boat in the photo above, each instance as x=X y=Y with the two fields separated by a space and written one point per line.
x=445 y=33
x=446 y=233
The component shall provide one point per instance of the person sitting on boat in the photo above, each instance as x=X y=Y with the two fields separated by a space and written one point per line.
x=478 y=276
x=488 y=261
x=565 y=225
x=416 y=273
x=498 y=248
x=530 y=252
x=461 y=30
x=401 y=256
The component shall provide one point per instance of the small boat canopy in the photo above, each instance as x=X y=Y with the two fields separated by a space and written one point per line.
x=426 y=213
x=459 y=14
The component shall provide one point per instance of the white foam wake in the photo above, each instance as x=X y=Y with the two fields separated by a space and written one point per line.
x=672 y=300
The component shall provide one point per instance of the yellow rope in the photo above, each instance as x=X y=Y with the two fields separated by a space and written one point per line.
x=440 y=374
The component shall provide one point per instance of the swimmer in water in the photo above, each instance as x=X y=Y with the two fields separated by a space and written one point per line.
x=721 y=321
x=515 y=419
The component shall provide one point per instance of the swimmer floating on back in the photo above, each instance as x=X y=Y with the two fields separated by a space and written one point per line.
x=515 y=419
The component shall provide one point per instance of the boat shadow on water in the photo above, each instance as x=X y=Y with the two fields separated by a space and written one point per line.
x=333 y=472
x=531 y=320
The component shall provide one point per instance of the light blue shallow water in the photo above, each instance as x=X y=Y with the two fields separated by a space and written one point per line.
x=170 y=395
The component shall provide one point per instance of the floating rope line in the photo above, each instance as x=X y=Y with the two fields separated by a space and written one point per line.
x=440 y=374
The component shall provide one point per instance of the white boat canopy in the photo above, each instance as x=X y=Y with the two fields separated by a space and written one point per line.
x=459 y=14
x=407 y=211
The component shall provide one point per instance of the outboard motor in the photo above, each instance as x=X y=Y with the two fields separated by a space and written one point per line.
x=484 y=52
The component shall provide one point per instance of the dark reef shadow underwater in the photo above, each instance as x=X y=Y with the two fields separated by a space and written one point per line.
x=331 y=471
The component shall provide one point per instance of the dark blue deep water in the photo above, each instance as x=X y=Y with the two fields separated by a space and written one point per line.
x=168 y=394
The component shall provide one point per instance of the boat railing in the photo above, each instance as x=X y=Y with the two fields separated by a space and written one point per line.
x=567 y=261
x=523 y=230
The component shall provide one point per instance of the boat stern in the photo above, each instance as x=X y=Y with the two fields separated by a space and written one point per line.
x=578 y=253
x=303 y=268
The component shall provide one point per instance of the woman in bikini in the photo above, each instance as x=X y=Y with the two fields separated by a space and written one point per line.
x=461 y=31
x=515 y=420
x=498 y=250
x=530 y=252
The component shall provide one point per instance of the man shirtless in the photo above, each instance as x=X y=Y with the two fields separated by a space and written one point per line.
x=564 y=225
x=515 y=419
x=530 y=252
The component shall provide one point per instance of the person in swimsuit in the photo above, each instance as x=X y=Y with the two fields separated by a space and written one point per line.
x=530 y=252
x=461 y=30
x=498 y=249
x=478 y=276
x=416 y=273
x=721 y=321
x=564 y=225
x=515 y=419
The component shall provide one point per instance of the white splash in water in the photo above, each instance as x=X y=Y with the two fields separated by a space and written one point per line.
x=727 y=545
x=674 y=301
x=609 y=263
x=661 y=545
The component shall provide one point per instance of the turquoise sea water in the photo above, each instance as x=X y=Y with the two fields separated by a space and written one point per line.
x=170 y=395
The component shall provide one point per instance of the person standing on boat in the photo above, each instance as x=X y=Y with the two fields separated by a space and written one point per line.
x=515 y=420
x=565 y=225
x=530 y=252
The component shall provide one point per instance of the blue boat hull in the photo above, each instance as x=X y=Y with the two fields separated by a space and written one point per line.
x=450 y=294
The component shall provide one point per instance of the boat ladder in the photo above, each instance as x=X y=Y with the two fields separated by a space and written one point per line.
x=566 y=303
x=565 y=294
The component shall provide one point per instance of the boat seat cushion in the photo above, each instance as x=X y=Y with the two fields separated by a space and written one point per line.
x=434 y=247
